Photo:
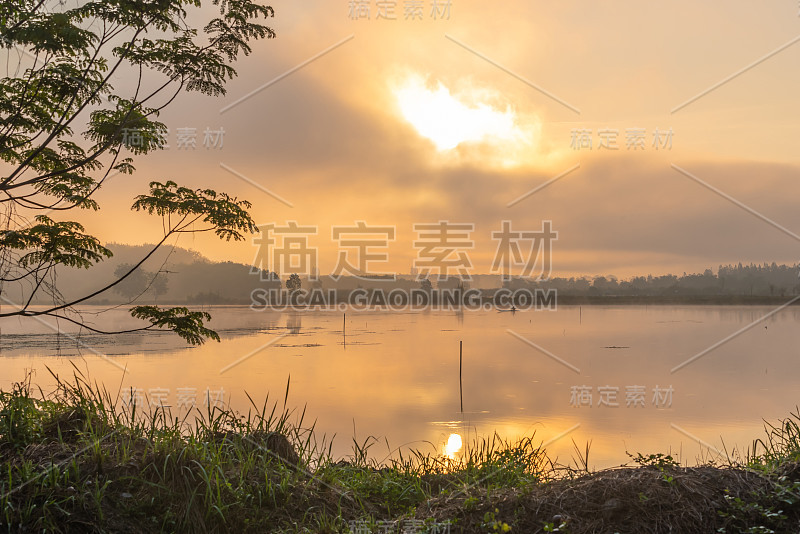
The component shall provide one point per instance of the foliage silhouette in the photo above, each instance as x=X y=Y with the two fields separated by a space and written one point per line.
x=65 y=130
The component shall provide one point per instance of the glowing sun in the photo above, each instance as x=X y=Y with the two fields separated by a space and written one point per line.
x=448 y=120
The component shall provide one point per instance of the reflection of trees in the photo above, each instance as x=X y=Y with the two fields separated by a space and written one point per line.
x=293 y=323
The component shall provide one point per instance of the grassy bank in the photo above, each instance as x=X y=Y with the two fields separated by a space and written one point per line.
x=76 y=462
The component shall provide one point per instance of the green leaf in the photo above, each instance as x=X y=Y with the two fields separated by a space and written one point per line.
x=57 y=243
x=187 y=324
x=227 y=216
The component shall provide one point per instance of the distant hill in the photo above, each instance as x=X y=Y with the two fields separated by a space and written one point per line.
x=176 y=255
x=181 y=276
x=175 y=275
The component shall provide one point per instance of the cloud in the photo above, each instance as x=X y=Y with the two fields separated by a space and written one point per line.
x=330 y=137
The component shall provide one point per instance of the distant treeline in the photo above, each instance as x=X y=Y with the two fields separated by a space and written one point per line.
x=766 y=280
x=180 y=276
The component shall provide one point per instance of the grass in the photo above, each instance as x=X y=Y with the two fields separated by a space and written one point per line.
x=77 y=461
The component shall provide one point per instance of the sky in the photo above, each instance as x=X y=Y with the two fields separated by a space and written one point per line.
x=348 y=117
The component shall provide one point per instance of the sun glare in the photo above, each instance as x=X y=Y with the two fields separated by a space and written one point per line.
x=448 y=120
x=453 y=445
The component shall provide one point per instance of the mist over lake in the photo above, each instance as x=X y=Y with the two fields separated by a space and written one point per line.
x=396 y=375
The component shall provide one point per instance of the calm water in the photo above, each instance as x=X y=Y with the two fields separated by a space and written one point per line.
x=555 y=374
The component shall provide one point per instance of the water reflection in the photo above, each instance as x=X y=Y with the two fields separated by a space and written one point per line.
x=294 y=321
x=397 y=374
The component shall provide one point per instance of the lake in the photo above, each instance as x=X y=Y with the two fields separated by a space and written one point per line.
x=624 y=378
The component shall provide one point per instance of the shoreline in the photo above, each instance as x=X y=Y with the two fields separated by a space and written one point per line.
x=561 y=300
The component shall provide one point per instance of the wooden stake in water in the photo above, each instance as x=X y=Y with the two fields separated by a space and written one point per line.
x=460 y=360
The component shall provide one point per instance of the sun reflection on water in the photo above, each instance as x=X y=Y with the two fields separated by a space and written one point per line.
x=453 y=445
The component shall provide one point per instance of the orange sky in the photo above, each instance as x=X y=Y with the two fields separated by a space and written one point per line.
x=410 y=121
